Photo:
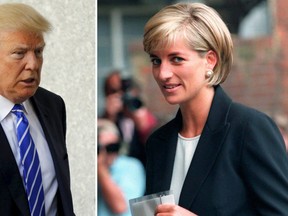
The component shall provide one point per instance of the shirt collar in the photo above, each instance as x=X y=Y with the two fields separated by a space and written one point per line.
x=6 y=106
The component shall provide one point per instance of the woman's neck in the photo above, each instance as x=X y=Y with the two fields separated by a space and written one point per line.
x=195 y=114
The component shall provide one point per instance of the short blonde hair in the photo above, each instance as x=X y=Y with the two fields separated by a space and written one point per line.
x=105 y=125
x=17 y=16
x=201 y=27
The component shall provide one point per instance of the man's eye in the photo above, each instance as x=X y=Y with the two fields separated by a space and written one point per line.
x=155 y=61
x=18 y=54
x=39 y=53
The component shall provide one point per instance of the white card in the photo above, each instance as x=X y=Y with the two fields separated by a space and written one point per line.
x=146 y=205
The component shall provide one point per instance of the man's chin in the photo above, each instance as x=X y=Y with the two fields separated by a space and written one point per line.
x=25 y=95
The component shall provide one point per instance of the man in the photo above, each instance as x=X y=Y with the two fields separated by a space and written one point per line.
x=21 y=57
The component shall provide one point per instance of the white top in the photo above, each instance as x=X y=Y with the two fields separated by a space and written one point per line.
x=8 y=123
x=184 y=153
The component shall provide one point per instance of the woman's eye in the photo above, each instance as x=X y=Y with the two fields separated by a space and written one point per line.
x=155 y=61
x=177 y=59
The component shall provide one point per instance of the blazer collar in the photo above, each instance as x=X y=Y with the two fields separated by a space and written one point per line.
x=219 y=109
x=209 y=146
x=221 y=104
x=40 y=108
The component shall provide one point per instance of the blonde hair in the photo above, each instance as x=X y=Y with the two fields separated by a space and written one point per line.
x=105 y=125
x=17 y=16
x=200 y=26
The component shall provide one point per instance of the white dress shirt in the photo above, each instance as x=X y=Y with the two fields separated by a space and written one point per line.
x=184 y=153
x=8 y=122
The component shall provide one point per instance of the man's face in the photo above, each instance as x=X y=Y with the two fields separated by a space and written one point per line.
x=21 y=58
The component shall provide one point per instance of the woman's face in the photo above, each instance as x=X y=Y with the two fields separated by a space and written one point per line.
x=180 y=72
x=107 y=138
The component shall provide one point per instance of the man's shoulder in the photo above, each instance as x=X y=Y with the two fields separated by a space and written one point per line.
x=47 y=98
x=46 y=95
x=42 y=91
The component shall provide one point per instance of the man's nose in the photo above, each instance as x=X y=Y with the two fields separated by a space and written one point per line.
x=33 y=62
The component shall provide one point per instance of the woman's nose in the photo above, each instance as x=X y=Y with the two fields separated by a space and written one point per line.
x=165 y=71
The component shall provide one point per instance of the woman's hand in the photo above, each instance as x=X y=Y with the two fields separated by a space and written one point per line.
x=172 y=210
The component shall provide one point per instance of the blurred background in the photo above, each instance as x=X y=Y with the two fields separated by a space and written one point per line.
x=259 y=77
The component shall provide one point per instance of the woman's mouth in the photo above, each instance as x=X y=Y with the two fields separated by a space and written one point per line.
x=171 y=86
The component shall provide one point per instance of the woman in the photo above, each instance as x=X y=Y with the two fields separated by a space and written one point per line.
x=217 y=156
x=120 y=177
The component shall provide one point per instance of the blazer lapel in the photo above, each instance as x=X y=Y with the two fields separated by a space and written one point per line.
x=203 y=160
x=166 y=148
x=11 y=175
x=209 y=146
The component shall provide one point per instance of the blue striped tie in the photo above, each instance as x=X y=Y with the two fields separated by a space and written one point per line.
x=30 y=162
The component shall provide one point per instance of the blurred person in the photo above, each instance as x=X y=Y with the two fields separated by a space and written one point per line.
x=34 y=169
x=125 y=107
x=112 y=92
x=282 y=122
x=120 y=177
x=217 y=156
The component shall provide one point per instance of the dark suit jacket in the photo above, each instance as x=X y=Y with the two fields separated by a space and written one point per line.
x=50 y=110
x=240 y=166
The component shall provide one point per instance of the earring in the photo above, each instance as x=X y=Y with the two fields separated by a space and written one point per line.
x=209 y=74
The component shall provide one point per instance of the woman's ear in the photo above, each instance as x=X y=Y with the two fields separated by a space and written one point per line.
x=211 y=59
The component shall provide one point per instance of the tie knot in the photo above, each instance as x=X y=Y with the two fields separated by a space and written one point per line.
x=17 y=110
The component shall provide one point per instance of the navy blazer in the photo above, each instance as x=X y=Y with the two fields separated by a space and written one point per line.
x=50 y=109
x=240 y=166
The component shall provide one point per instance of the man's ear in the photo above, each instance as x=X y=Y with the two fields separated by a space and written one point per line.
x=211 y=59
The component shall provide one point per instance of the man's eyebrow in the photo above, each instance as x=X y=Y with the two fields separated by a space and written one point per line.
x=25 y=46
x=42 y=45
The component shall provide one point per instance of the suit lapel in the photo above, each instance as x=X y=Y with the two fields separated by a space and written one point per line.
x=42 y=113
x=40 y=110
x=208 y=148
x=9 y=171
x=58 y=150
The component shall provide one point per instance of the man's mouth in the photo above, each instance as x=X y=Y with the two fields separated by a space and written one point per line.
x=30 y=80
